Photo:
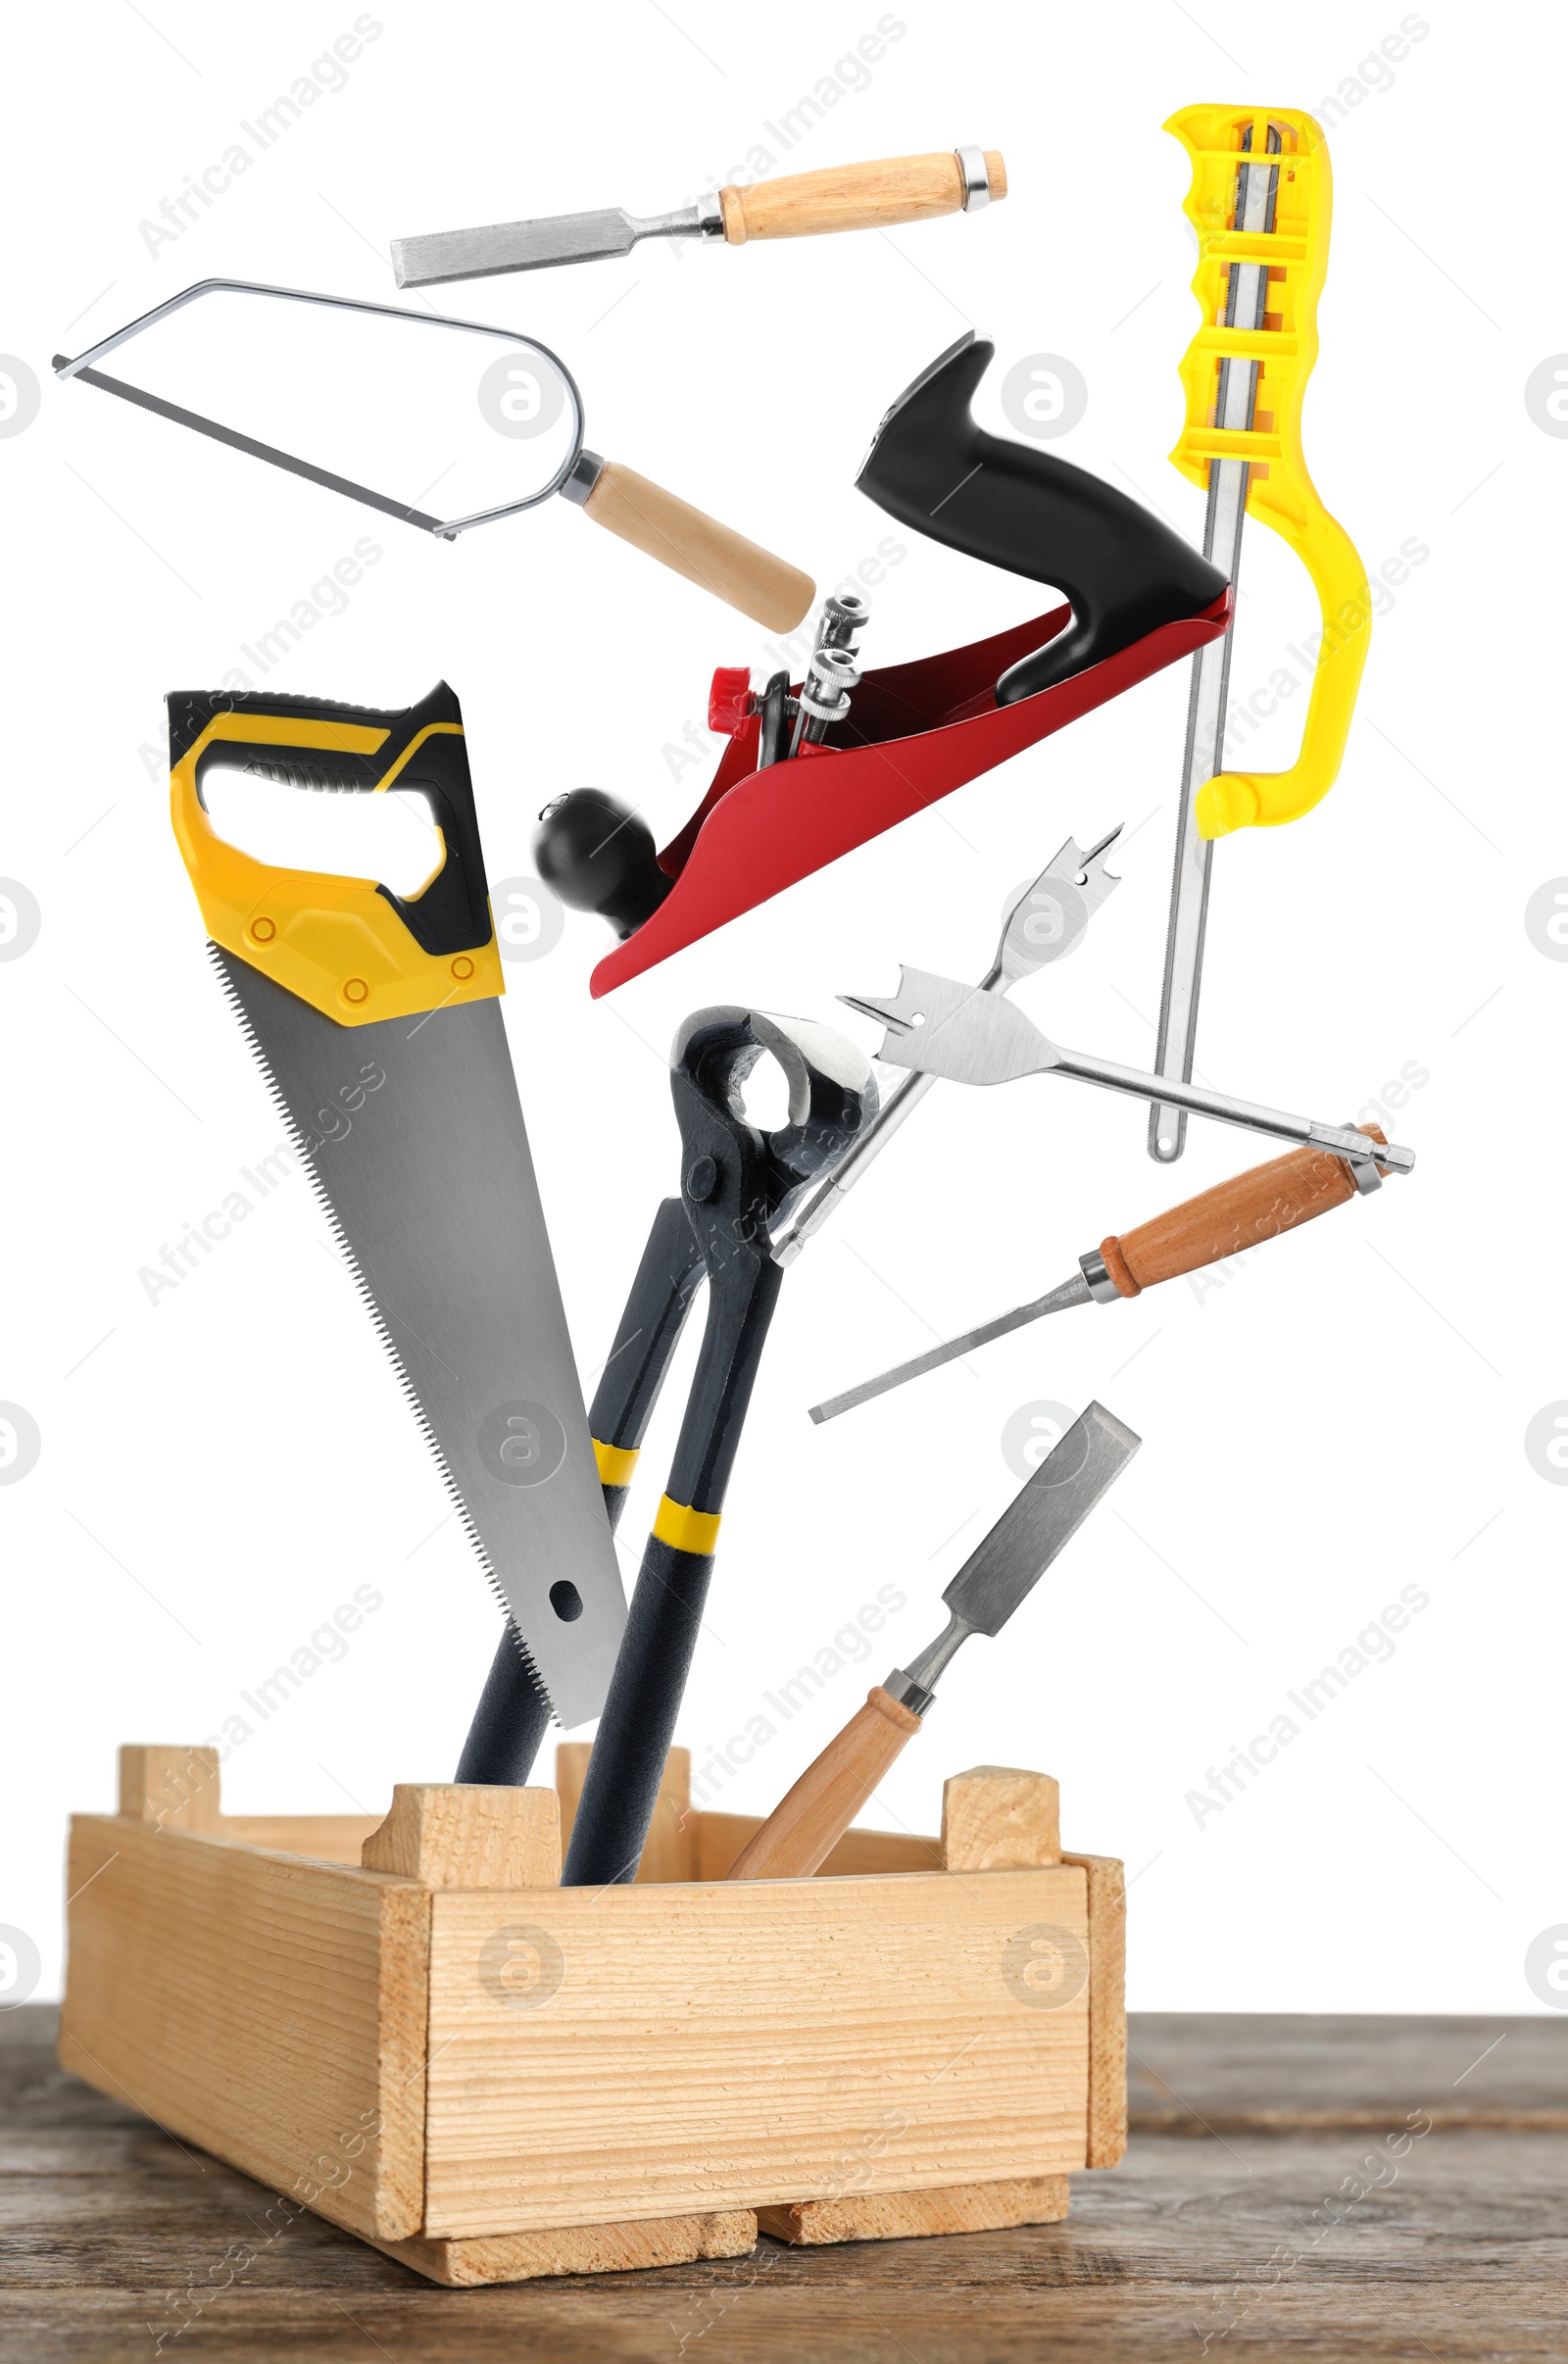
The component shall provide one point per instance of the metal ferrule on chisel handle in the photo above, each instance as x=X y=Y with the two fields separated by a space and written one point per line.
x=915 y=1686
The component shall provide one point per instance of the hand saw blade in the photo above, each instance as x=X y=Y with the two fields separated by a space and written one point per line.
x=412 y=1134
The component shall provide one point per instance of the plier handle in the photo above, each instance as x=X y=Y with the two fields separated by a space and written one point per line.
x=737 y=1183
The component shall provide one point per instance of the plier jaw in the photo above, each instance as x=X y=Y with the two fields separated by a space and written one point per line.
x=736 y=1182
x=833 y=1095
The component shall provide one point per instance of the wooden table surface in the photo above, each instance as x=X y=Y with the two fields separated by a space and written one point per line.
x=1296 y=2188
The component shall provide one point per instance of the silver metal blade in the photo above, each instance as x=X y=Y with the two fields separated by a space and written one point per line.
x=412 y=1134
x=1051 y=916
x=484 y=254
x=937 y=1027
x=1042 y=1520
x=1074 y=1292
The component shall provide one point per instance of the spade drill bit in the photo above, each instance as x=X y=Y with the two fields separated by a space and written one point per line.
x=1043 y=926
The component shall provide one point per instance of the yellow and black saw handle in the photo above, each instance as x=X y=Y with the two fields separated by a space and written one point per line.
x=350 y=947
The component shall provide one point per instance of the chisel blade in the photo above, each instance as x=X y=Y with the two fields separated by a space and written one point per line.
x=413 y=1138
x=503 y=246
x=1073 y=1292
x=1069 y=1483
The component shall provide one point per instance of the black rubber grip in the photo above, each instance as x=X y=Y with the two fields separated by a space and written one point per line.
x=657 y=1305
x=638 y=1724
x=508 y=1725
x=741 y=1298
x=1123 y=571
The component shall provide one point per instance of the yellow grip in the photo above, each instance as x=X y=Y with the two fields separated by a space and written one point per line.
x=1279 y=488
x=337 y=942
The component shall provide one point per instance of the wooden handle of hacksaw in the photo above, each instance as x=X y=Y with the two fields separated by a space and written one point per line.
x=740 y=573
x=849 y=197
x=807 y=1825
x=1239 y=1213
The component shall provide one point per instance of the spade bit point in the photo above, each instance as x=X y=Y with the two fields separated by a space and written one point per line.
x=1053 y=912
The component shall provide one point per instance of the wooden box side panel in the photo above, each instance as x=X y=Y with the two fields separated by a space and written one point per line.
x=324 y=1837
x=661 y=2051
x=1108 y=2007
x=270 y=2009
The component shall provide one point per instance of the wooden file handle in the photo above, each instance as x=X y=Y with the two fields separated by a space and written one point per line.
x=848 y=197
x=684 y=539
x=1238 y=1213
x=807 y=1825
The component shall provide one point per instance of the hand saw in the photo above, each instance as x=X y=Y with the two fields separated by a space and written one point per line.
x=377 y=1023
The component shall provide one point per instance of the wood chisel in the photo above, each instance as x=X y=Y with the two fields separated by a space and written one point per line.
x=995 y=1580
x=1259 y=204
x=844 y=197
x=936 y=1026
x=686 y=540
x=377 y=1024
x=1234 y=1217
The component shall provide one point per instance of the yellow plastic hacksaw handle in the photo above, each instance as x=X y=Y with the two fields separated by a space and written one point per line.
x=348 y=946
x=1279 y=488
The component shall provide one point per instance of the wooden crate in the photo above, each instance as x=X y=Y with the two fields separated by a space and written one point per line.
x=412 y=2028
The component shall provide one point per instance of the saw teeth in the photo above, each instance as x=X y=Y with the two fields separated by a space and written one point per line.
x=356 y=1274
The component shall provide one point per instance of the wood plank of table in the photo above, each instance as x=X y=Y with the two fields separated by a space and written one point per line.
x=1266 y=2069
x=1253 y=2239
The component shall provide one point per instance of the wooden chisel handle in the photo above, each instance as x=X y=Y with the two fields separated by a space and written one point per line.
x=849 y=197
x=807 y=1825
x=768 y=589
x=1236 y=1214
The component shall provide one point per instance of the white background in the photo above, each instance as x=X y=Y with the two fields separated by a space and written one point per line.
x=1343 y=1417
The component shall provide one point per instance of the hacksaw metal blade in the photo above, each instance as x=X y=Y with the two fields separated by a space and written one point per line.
x=414 y=1139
